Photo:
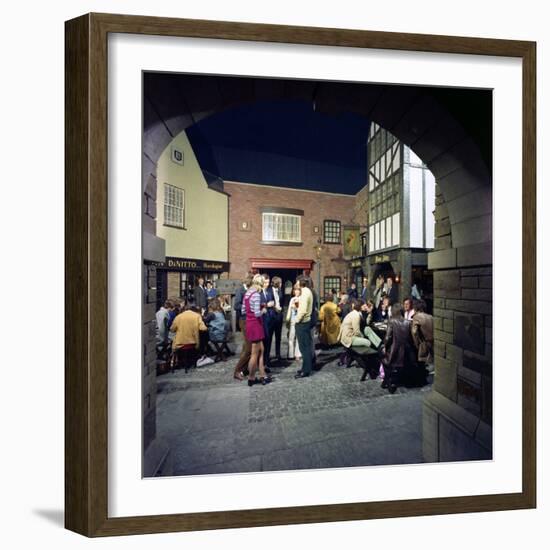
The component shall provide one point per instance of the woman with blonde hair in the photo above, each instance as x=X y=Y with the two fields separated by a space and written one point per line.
x=254 y=330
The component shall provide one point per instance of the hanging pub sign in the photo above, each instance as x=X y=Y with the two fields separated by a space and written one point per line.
x=188 y=264
x=352 y=241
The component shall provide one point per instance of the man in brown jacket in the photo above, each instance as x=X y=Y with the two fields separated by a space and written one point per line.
x=422 y=329
x=187 y=326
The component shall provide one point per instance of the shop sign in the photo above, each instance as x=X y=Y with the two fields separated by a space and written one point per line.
x=188 y=264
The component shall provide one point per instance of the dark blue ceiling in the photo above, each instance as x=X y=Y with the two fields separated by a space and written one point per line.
x=284 y=143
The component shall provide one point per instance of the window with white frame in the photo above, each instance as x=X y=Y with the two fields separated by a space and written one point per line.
x=277 y=227
x=174 y=206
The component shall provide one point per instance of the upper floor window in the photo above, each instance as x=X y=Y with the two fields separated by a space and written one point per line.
x=332 y=232
x=281 y=227
x=174 y=206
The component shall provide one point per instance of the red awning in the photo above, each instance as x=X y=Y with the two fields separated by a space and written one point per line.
x=268 y=263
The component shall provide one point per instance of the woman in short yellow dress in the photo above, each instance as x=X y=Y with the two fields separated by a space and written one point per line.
x=330 y=322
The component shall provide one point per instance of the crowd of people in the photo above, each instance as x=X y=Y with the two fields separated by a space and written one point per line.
x=189 y=325
x=401 y=332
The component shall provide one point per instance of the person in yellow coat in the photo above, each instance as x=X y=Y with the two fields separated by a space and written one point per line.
x=330 y=322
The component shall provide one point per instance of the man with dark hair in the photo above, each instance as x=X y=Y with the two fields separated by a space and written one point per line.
x=352 y=292
x=400 y=355
x=303 y=327
x=241 y=368
x=267 y=301
x=391 y=290
x=278 y=296
x=200 y=296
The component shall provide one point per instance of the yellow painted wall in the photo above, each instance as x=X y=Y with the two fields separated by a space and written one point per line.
x=206 y=210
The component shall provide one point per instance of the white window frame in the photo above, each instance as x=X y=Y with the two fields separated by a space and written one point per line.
x=279 y=218
x=174 y=206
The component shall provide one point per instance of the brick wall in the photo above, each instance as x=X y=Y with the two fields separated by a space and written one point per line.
x=244 y=206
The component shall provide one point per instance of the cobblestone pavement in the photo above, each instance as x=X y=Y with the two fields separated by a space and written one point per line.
x=215 y=424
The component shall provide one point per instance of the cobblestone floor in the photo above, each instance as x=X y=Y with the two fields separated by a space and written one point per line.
x=215 y=424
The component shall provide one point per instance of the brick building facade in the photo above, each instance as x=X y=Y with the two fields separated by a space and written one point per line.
x=248 y=203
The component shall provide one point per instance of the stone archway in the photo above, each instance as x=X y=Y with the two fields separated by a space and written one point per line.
x=452 y=135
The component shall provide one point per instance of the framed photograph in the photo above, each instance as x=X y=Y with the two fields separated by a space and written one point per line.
x=289 y=260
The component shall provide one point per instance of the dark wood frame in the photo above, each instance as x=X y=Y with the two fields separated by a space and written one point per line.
x=86 y=274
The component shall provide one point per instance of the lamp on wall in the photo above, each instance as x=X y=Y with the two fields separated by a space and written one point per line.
x=318 y=248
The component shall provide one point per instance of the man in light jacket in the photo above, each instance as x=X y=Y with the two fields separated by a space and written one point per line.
x=303 y=328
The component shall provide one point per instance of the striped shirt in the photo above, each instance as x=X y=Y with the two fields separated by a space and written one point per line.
x=254 y=303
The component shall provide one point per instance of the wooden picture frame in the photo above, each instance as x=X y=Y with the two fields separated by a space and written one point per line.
x=86 y=280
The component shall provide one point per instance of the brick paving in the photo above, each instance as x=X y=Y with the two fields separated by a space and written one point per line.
x=215 y=424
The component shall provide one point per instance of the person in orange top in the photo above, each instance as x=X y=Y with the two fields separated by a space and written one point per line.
x=187 y=326
x=330 y=322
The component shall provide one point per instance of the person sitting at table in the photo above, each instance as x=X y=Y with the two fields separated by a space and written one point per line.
x=400 y=352
x=187 y=328
x=383 y=313
x=344 y=306
x=330 y=322
x=216 y=322
x=408 y=308
x=368 y=315
x=350 y=334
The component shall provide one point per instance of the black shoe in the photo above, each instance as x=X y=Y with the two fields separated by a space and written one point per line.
x=253 y=382
x=301 y=374
x=384 y=384
x=265 y=380
x=392 y=388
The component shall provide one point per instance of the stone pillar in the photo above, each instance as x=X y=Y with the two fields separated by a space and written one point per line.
x=156 y=454
x=404 y=266
x=457 y=414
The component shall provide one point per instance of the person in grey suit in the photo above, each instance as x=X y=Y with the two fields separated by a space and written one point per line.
x=200 y=295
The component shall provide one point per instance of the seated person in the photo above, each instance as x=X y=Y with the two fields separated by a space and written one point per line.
x=350 y=331
x=187 y=328
x=368 y=313
x=383 y=313
x=344 y=305
x=216 y=322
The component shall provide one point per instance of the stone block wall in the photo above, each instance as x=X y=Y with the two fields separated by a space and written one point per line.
x=149 y=356
x=458 y=412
